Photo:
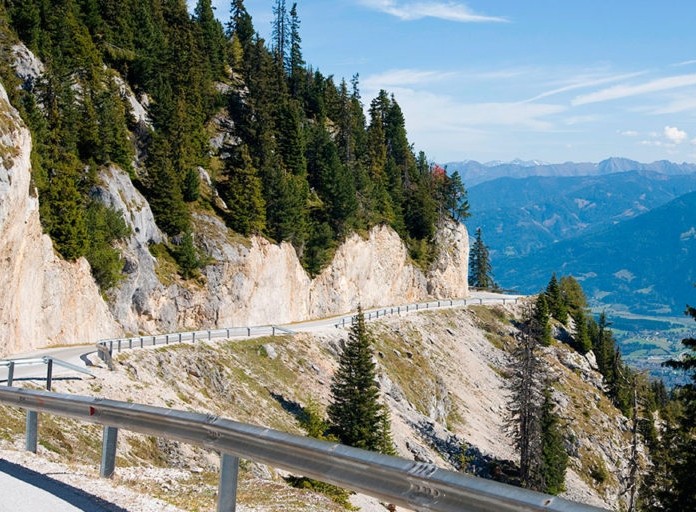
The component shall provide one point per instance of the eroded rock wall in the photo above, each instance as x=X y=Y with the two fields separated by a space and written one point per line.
x=43 y=299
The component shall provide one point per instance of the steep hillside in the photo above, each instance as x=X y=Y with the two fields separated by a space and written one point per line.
x=443 y=375
x=201 y=183
x=242 y=281
x=42 y=297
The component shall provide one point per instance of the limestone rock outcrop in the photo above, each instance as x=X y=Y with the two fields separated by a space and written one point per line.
x=43 y=299
x=244 y=281
x=256 y=282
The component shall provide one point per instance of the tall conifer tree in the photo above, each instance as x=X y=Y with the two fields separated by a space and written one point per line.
x=480 y=269
x=525 y=407
x=357 y=417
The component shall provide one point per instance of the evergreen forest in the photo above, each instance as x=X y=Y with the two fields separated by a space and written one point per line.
x=304 y=163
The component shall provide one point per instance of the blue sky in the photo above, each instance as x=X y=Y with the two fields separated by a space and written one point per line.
x=551 y=80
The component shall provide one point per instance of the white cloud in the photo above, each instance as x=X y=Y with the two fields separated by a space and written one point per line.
x=677 y=105
x=451 y=11
x=675 y=135
x=427 y=111
x=401 y=77
x=628 y=133
x=583 y=82
x=684 y=63
x=625 y=91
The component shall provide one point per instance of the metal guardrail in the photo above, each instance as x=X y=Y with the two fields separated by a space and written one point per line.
x=49 y=361
x=403 y=482
x=106 y=348
x=421 y=306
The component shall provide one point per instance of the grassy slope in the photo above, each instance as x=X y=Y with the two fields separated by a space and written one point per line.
x=443 y=375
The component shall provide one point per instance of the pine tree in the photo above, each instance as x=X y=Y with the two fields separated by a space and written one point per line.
x=680 y=491
x=241 y=189
x=187 y=256
x=480 y=269
x=454 y=197
x=583 y=343
x=555 y=457
x=357 y=417
x=240 y=24
x=556 y=302
x=542 y=325
x=164 y=190
x=573 y=294
x=524 y=419
x=281 y=32
x=294 y=64
x=212 y=37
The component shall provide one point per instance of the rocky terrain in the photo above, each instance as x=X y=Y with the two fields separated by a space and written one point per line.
x=443 y=375
x=46 y=300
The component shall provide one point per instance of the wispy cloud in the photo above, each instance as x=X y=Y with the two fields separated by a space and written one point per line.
x=427 y=111
x=675 y=106
x=451 y=11
x=628 y=133
x=624 y=91
x=583 y=82
x=684 y=63
x=402 y=77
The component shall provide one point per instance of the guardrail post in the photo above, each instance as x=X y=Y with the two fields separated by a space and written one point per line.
x=49 y=374
x=32 y=431
x=248 y=331
x=10 y=373
x=227 y=488
x=273 y=330
x=108 y=460
x=228 y=333
x=118 y=348
x=141 y=342
x=154 y=341
x=193 y=337
x=481 y=302
x=209 y=335
x=166 y=339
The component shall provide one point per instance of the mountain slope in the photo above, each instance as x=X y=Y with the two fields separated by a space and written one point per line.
x=519 y=216
x=645 y=263
x=442 y=374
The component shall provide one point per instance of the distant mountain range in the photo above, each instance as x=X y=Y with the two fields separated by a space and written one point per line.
x=646 y=264
x=473 y=172
x=630 y=237
x=519 y=216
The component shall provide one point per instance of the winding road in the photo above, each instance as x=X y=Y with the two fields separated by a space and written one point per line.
x=78 y=354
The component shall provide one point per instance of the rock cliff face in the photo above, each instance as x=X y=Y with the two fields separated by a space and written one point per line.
x=43 y=299
x=246 y=282
x=253 y=282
